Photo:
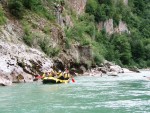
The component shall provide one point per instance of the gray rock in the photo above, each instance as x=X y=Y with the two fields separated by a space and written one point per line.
x=20 y=61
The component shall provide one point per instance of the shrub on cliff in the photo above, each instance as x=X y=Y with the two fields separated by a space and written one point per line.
x=91 y=7
x=16 y=8
x=2 y=16
x=47 y=49
x=27 y=38
x=31 y=4
x=38 y=7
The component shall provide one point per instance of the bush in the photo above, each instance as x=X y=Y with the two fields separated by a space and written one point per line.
x=98 y=59
x=67 y=43
x=123 y=48
x=142 y=63
x=38 y=7
x=148 y=63
x=99 y=51
x=86 y=21
x=16 y=8
x=47 y=49
x=91 y=7
x=137 y=49
x=85 y=42
x=28 y=37
x=46 y=29
x=32 y=4
x=2 y=16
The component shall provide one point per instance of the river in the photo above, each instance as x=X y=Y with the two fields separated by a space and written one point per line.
x=128 y=93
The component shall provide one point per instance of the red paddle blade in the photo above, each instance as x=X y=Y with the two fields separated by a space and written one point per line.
x=73 y=80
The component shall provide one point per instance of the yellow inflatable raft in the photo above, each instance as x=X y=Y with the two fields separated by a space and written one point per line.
x=53 y=80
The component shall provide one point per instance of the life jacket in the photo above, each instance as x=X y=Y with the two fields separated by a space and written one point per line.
x=54 y=73
x=67 y=75
x=59 y=74
x=50 y=74
x=43 y=75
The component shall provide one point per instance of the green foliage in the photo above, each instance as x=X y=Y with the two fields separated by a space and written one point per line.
x=109 y=2
x=50 y=51
x=2 y=16
x=126 y=50
x=31 y=4
x=91 y=7
x=123 y=48
x=83 y=30
x=86 y=41
x=47 y=30
x=142 y=63
x=148 y=63
x=38 y=7
x=98 y=52
x=139 y=6
x=100 y=14
x=28 y=37
x=87 y=22
x=98 y=59
x=105 y=9
x=144 y=28
x=16 y=8
x=45 y=46
x=67 y=43
x=137 y=49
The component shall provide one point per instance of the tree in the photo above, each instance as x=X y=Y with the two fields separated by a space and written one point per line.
x=123 y=47
x=91 y=7
x=137 y=49
x=31 y=4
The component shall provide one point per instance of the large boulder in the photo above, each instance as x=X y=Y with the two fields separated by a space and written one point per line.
x=125 y=70
x=116 y=68
x=112 y=73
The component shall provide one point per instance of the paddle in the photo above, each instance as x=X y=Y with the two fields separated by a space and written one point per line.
x=73 y=80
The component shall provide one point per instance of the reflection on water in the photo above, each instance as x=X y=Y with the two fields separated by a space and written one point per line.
x=128 y=93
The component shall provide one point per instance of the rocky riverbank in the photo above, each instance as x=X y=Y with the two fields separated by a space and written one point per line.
x=19 y=63
x=110 y=69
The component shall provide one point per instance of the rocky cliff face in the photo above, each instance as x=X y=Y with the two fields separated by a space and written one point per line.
x=12 y=31
x=77 y=5
x=17 y=59
x=110 y=29
x=125 y=2
x=109 y=26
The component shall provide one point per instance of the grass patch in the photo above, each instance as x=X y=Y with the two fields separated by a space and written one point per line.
x=47 y=49
x=2 y=16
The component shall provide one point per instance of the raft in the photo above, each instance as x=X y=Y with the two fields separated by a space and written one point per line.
x=52 y=80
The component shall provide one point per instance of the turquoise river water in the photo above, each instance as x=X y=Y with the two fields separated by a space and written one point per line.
x=128 y=93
